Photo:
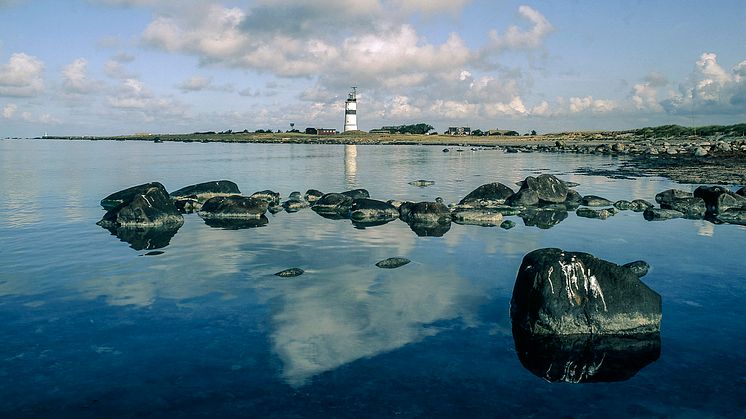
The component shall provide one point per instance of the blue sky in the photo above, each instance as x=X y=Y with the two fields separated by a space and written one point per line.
x=100 y=67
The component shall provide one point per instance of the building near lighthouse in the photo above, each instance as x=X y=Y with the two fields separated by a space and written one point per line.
x=351 y=111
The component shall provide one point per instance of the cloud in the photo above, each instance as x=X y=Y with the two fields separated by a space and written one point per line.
x=195 y=84
x=75 y=78
x=22 y=76
x=9 y=110
x=133 y=97
x=710 y=89
x=115 y=67
x=517 y=38
x=580 y=104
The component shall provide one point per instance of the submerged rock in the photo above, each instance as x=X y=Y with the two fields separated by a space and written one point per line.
x=237 y=223
x=290 y=273
x=127 y=195
x=234 y=206
x=586 y=358
x=366 y=210
x=507 y=224
x=487 y=195
x=595 y=201
x=335 y=203
x=357 y=194
x=422 y=183
x=670 y=194
x=601 y=214
x=206 y=190
x=732 y=216
x=659 y=214
x=691 y=207
x=478 y=217
x=566 y=293
x=272 y=198
x=149 y=207
x=392 y=263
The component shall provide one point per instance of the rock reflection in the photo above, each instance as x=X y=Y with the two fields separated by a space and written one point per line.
x=363 y=225
x=544 y=218
x=430 y=229
x=141 y=238
x=586 y=358
x=236 y=223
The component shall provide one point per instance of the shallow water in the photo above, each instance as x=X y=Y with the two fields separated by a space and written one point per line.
x=92 y=327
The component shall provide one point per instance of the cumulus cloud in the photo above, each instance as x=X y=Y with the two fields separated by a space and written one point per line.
x=133 y=97
x=22 y=76
x=710 y=89
x=9 y=110
x=116 y=66
x=580 y=104
x=75 y=78
x=517 y=38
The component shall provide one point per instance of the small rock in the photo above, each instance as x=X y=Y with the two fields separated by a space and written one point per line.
x=392 y=263
x=601 y=214
x=623 y=205
x=312 y=195
x=290 y=273
x=595 y=201
x=700 y=152
x=422 y=183
x=659 y=214
x=640 y=205
x=507 y=224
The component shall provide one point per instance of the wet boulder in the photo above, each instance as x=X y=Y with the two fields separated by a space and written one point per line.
x=333 y=203
x=366 y=210
x=206 y=190
x=357 y=193
x=272 y=198
x=660 y=214
x=691 y=207
x=150 y=207
x=640 y=205
x=234 y=206
x=294 y=204
x=670 y=194
x=719 y=199
x=425 y=212
x=595 y=201
x=570 y=293
x=312 y=195
x=482 y=217
x=487 y=195
x=127 y=195
x=523 y=198
x=600 y=214
x=549 y=188
x=421 y=183
x=573 y=198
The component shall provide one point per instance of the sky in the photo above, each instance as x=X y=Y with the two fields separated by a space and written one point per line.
x=109 y=67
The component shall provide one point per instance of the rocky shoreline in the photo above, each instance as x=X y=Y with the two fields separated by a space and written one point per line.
x=686 y=159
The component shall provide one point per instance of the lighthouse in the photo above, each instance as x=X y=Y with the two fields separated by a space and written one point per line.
x=351 y=111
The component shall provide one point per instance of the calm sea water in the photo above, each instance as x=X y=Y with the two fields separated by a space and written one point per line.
x=92 y=327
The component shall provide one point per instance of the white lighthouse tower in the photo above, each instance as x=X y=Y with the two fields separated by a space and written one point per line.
x=351 y=111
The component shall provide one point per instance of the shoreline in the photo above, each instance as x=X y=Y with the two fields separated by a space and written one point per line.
x=685 y=159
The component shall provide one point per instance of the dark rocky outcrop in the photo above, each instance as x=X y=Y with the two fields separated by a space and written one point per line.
x=290 y=273
x=586 y=358
x=741 y=191
x=566 y=293
x=640 y=205
x=366 y=210
x=392 y=263
x=187 y=205
x=357 y=193
x=333 y=203
x=691 y=207
x=234 y=206
x=312 y=195
x=601 y=214
x=719 y=199
x=294 y=204
x=549 y=188
x=272 y=198
x=544 y=218
x=659 y=214
x=425 y=213
x=487 y=195
x=595 y=201
x=149 y=207
x=523 y=198
x=127 y=195
x=670 y=194
x=237 y=223
x=481 y=217
x=206 y=190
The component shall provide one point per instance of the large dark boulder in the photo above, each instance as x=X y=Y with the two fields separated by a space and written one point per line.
x=719 y=199
x=312 y=195
x=549 y=188
x=234 y=206
x=357 y=193
x=523 y=198
x=127 y=195
x=586 y=358
x=567 y=293
x=670 y=194
x=206 y=190
x=487 y=195
x=150 y=207
x=693 y=207
x=732 y=216
x=333 y=203
x=661 y=214
x=425 y=212
x=366 y=210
